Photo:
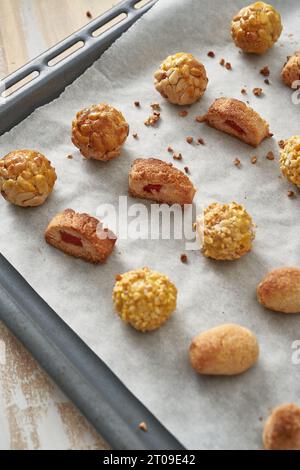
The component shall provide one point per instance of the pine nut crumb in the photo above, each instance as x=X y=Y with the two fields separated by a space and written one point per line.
x=189 y=139
x=270 y=155
x=257 y=91
x=281 y=144
x=155 y=106
x=177 y=156
x=222 y=62
x=254 y=160
x=237 y=162
x=143 y=426
x=200 y=118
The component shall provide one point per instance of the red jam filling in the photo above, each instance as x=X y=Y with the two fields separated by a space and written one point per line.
x=150 y=188
x=235 y=127
x=71 y=239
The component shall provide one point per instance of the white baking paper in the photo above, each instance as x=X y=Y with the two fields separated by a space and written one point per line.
x=202 y=412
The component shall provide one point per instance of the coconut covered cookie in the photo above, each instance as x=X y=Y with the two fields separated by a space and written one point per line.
x=99 y=132
x=256 y=28
x=290 y=160
x=26 y=178
x=226 y=231
x=181 y=79
x=145 y=299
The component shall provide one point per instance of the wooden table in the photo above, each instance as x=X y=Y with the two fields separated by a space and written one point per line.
x=34 y=414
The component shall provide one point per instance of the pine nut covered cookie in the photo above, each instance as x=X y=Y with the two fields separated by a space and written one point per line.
x=145 y=299
x=81 y=236
x=99 y=132
x=256 y=28
x=237 y=119
x=282 y=428
x=290 y=159
x=181 y=79
x=153 y=179
x=26 y=178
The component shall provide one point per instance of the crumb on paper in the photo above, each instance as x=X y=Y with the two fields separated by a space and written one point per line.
x=183 y=113
x=143 y=426
x=267 y=81
x=155 y=106
x=270 y=155
x=265 y=71
x=170 y=150
x=237 y=162
x=152 y=120
x=228 y=66
x=281 y=144
x=177 y=156
x=290 y=193
x=186 y=169
x=189 y=139
x=257 y=91
x=254 y=160
x=211 y=54
x=89 y=14
x=183 y=258
x=70 y=157
x=200 y=141
x=222 y=62
x=200 y=118
x=244 y=91
x=135 y=135
x=137 y=104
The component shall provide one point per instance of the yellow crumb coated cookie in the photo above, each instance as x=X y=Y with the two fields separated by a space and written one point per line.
x=226 y=231
x=26 y=178
x=256 y=28
x=290 y=159
x=181 y=79
x=145 y=299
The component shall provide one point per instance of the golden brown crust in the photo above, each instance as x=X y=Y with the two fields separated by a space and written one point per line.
x=291 y=70
x=99 y=132
x=282 y=428
x=237 y=119
x=85 y=228
x=176 y=187
x=280 y=290
x=224 y=350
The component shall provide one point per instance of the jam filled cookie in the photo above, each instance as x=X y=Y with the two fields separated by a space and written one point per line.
x=80 y=235
x=99 y=132
x=226 y=231
x=158 y=181
x=256 y=28
x=145 y=299
x=26 y=178
x=181 y=79
x=290 y=159
x=291 y=70
x=282 y=428
x=237 y=119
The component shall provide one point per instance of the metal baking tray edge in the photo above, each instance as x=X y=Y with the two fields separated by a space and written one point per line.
x=112 y=409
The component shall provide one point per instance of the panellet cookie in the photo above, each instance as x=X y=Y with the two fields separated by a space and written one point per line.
x=290 y=160
x=226 y=231
x=80 y=235
x=256 y=27
x=224 y=350
x=280 y=290
x=282 y=428
x=150 y=178
x=291 y=70
x=99 y=132
x=181 y=79
x=237 y=119
x=26 y=178
x=145 y=299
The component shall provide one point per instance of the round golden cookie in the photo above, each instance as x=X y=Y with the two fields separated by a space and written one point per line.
x=282 y=428
x=99 y=132
x=290 y=160
x=291 y=71
x=226 y=231
x=181 y=79
x=26 y=178
x=145 y=299
x=256 y=28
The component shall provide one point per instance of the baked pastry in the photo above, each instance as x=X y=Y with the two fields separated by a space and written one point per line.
x=290 y=159
x=226 y=231
x=150 y=178
x=256 y=28
x=145 y=299
x=280 y=290
x=99 y=132
x=80 y=235
x=282 y=428
x=181 y=79
x=236 y=118
x=26 y=178
x=291 y=70
x=224 y=350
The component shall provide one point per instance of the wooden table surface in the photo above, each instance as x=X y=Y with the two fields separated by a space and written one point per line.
x=34 y=414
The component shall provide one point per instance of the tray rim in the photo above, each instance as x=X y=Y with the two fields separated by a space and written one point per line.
x=103 y=399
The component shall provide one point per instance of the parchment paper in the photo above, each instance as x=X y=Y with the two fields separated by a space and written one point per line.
x=202 y=412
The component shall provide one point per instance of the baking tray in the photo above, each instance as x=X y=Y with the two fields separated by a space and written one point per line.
x=112 y=409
